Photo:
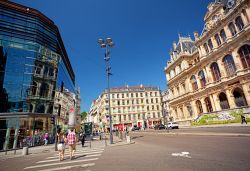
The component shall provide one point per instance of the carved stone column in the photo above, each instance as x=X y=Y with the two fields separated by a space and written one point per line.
x=246 y=90
x=230 y=99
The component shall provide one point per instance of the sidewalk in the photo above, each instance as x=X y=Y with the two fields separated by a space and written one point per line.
x=217 y=125
x=95 y=143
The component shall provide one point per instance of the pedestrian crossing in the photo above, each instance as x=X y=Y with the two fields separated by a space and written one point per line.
x=84 y=159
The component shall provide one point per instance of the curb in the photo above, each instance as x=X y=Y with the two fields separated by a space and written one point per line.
x=197 y=134
x=120 y=144
x=208 y=134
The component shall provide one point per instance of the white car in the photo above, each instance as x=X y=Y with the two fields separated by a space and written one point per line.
x=173 y=125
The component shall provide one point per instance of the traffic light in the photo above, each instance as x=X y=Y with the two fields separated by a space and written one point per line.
x=52 y=119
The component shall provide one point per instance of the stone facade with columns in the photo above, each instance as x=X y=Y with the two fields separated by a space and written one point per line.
x=212 y=73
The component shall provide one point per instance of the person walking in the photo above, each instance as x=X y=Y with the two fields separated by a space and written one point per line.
x=243 y=119
x=61 y=145
x=71 y=140
x=83 y=139
x=46 y=137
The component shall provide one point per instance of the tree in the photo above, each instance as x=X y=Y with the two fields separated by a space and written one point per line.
x=83 y=115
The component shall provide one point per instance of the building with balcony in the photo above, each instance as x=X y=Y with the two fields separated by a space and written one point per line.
x=34 y=68
x=212 y=73
x=130 y=106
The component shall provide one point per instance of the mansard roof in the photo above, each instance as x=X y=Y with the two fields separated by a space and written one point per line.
x=185 y=44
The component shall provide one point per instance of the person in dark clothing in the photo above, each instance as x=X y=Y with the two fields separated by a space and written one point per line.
x=83 y=139
x=243 y=119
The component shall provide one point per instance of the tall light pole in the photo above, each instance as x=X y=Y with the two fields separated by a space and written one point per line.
x=107 y=44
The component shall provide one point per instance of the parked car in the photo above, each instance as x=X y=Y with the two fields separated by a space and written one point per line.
x=173 y=125
x=161 y=126
x=135 y=128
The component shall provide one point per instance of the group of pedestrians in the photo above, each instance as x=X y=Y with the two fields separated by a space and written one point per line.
x=70 y=139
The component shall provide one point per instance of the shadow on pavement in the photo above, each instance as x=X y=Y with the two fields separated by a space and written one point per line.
x=135 y=137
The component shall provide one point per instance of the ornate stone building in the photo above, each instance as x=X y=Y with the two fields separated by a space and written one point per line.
x=212 y=73
x=130 y=106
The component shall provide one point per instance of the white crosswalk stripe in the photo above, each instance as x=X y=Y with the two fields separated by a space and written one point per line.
x=84 y=158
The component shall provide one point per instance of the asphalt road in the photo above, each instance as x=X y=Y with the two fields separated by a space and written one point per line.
x=153 y=152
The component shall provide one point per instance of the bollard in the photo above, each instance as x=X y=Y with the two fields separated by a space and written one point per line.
x=128 y=139
x=25 y=151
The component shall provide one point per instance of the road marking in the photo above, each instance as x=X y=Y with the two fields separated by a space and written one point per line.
x=69 y=167
x=61 y=163
x=182 y=154
x=67 y=154
x=87 y=156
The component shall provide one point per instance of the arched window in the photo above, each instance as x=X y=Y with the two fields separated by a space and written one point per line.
x=40 y=109
x=199 y=106
x=244 y=53
x=210 y=44
x=202 y=78
x=215 y=71
x=45 y=72
x=208 y=104
x=206 y=47
x=223 y=35
x=223 y=101
x=229 y=65
x=44 y=90
x=31 y=108
x=232 y=29
x=239 y=97
x=50 y=109
x=217 y=38
x=239 y=23
x=34 y=88
x=51 y=72
x=194 y=82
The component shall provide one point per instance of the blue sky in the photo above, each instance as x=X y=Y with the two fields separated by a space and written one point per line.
x=142 y=30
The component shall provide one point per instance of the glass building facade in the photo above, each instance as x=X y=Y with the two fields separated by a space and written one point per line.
x=34 y=66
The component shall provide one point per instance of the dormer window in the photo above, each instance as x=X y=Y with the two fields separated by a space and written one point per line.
x=239 y=23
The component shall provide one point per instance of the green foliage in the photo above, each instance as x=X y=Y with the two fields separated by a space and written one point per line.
x=237 y=113
x=211 y=119
x=84 y=115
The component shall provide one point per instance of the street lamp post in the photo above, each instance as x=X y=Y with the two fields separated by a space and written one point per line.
x=107 y=44
x=164 y=112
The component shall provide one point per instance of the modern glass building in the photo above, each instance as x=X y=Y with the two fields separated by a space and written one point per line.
x=34 y=66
